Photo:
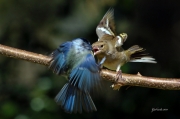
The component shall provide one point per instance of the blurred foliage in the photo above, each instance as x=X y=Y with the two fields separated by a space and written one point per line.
x=27 y=90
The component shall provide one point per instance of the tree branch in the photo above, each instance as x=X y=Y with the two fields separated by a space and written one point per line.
x=127 y=79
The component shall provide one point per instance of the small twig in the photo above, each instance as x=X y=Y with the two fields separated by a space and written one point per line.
x=127 y=79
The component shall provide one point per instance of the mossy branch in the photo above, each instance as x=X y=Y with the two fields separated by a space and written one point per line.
x=127 y=79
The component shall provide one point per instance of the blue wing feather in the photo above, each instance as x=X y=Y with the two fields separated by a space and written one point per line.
x=58 y=63
x=88 y=104
x=83 y=76
x=86 y=75
x=71 y=99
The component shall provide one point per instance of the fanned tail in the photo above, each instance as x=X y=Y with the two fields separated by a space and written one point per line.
x=72 y=99
x=137 y=54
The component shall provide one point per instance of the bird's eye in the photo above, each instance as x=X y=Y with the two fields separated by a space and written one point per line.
x=102 y=46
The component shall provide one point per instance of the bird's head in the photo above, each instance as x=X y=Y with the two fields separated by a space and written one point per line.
x=82 y=43
x=100 y=47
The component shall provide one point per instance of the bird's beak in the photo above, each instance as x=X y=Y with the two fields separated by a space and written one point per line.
x=95 y=50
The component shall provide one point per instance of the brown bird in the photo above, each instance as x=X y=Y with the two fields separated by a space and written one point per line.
x=108 y=48
x=107 y=26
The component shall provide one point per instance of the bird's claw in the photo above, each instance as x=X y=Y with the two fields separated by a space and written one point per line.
x=100 y=66
x=117 y=85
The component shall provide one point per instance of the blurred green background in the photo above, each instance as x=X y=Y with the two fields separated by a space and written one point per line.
x=27 y=90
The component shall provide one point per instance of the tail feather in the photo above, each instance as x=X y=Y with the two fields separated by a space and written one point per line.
x=88 y=104
x=72 y=99
x=137 y=54
x=144 y=59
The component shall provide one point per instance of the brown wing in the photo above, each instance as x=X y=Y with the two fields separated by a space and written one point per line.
x=106 y=25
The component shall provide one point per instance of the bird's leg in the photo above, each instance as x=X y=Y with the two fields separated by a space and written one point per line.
x=117 y=85
x=101 y=62
x=118 y=73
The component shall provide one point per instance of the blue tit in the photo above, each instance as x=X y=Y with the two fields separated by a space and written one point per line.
x=76 y=60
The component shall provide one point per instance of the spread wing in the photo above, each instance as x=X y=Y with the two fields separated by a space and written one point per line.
x=86 y=76
x=106 y=25
x=58 y=62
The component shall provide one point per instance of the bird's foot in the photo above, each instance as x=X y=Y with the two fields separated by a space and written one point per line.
x=117 y=85
x=100 y=65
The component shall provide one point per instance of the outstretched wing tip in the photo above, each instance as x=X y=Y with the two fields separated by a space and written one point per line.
x=110 y=13
x=106 y=25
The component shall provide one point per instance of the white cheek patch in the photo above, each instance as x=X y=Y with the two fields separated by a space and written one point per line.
x=104 y=30
x=119 y=41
